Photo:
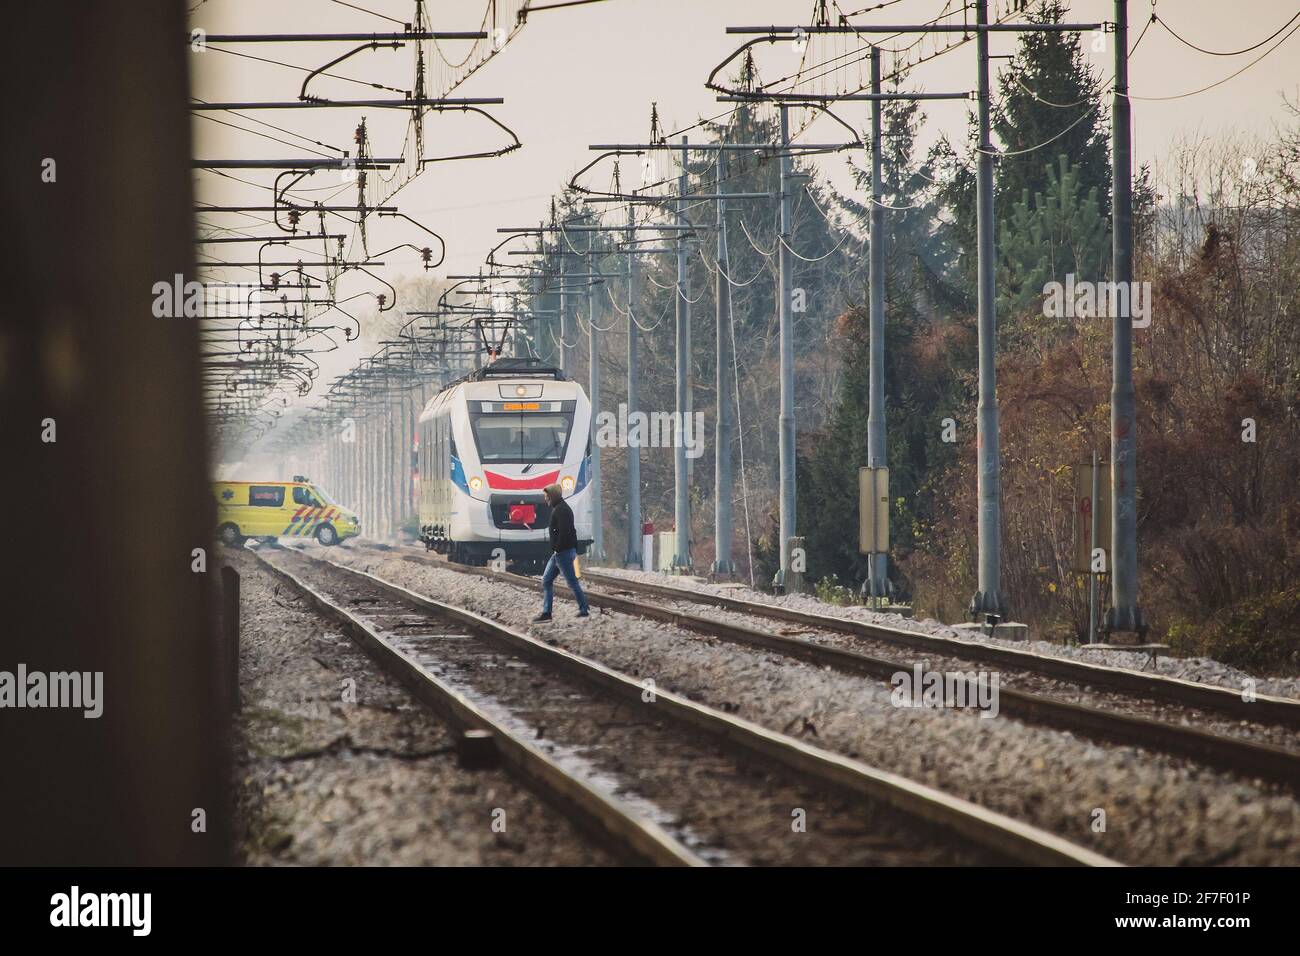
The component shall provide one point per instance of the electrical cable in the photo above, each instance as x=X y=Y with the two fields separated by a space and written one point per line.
x=382 y=16
x=1230 y=76
x=1199 y=49
x=716 y=268
x=667 y=308
x=1020 y=152
x=745 y=229
x=305 y=69
x=203 y=114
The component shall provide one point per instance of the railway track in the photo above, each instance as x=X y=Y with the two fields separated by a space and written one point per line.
x=1281 y=711
x=658 y=777
x=1223 y=751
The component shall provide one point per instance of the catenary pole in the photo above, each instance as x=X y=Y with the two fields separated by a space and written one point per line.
x=597 y=550
x=878 y=570
x=681 y=506
x=787 y=432
x=566 y=360
x=723 y=381
x=1124 y=614
x=988 y=599
x=633 y=557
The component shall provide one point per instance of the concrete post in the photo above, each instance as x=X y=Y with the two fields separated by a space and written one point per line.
x=1124 y=614
x=681 y=509
x=877 y=455
x=988 y=599
x=787 y=428
x=724 y=379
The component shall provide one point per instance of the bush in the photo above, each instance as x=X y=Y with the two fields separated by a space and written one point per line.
x=830 y=591
x=1260 y=635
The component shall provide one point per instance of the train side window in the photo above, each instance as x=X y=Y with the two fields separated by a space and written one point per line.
x=266 y=496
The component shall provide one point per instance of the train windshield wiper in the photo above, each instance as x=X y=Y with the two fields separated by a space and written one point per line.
x=554 y=444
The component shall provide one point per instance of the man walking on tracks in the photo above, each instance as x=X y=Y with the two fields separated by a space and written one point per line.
x=564 y=544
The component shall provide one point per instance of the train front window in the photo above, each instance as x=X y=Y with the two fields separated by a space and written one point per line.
x=513 y=438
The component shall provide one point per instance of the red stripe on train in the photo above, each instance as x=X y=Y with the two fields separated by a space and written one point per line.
x=521 y=484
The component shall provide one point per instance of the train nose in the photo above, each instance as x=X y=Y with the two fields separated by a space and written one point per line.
x=523 y=514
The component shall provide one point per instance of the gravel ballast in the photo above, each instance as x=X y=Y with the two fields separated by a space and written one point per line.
x=726 y=807
x=1023 y=680
x=337 y=765
x=1157 y=809
x=1203 y=670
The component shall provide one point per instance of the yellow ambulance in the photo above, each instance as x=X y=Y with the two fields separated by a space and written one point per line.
x=280 y=509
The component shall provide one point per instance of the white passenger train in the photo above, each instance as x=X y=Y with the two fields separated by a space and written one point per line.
x=488 y=445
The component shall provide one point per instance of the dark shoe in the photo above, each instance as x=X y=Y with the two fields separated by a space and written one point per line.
x=584 y=614
x=541 y=618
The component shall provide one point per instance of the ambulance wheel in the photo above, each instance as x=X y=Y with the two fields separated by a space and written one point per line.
x=228 y=534
x=327 y=536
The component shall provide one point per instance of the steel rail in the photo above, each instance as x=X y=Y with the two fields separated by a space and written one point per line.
x=987 y=828
x=1266 y=761
x=598 y=813
x=1234 y=754
x=1263 y=709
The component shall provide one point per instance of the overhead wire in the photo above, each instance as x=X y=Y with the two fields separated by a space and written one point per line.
x=253 y=132
x=745 y=229
x=716 y=268
x=382 y=16
x=1230 y=76
x=1200 y=49
x=306 y=69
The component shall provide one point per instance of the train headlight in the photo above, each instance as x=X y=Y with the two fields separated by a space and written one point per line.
x=567 y=484
x=521 y=390
x=475 y=483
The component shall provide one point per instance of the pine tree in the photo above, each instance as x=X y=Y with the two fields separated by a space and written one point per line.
x=1058 y=233
x=1051 y=106
x=918 y=282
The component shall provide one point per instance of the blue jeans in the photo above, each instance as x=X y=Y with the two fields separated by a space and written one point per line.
x=561 y=561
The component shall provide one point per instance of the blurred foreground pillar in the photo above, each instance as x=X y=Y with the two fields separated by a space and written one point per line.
x=101 y=523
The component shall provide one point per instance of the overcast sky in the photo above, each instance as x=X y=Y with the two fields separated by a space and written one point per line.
x=588 y=74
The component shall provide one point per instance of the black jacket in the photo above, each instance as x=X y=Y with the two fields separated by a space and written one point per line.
x=563 y=535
